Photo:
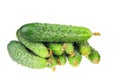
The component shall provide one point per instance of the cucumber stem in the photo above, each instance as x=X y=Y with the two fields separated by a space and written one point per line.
x=72 y=54
x=75 y=64
x=50 y=52
x=64 y=47
x=96 y=33
x=58 y=61
x=50 y=60
x=54 y=69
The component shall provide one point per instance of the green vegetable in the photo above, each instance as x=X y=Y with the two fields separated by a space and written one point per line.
x=45 y=32
x=56 y=48
x=52 y=62
x=61 y=59
x=75 y=60
x=21 y=55
x=37 y=48
x=69 y=48
x=43 y=45
x=94 y=56
x=84 y=48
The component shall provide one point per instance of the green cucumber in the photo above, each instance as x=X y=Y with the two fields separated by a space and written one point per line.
x=56 y=48
x=45 y=32
x=75 y=60
x=61 y=59
x=37 y=48
x=89 y=52
x=69 y=48
x=84 y=48
x=52 y=62
x=94 y=56
x=22 y=56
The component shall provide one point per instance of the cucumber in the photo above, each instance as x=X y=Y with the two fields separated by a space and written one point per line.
x=94 y=56
x=37 y=48
x=84 y=48
x=69 y=48
x=52 y=62
x=75 y=60
x=89 y=52
x=45 y=32
x=22 y=56
x=56 y=48
x=61 y=59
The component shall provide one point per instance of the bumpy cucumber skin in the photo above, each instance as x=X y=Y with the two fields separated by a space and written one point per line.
x=37 y=48
x=22 y=56
x=56 y=48
x=44 y=32
x=52 y=62
x=84 y=48
x=69 y=48
x=61 y=59
x=75 y=60
x=94 y=56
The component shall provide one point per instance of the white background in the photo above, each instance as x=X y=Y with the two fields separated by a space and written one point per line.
x=98 y=15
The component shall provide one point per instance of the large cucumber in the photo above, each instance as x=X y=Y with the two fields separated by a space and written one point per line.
x=45 y=32
x=21 y=55
x=38 y=48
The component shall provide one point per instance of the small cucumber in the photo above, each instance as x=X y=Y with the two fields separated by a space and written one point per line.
x=94 y=56
x=37 y=48
x=69 y=48
x=52 y=62
x=22 y=56
x=84 y=48
x=56 y=48
x=75 y=60
x=61 y=59
x=45 y=32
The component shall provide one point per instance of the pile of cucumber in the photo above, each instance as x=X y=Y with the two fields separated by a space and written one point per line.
x=42 y=45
